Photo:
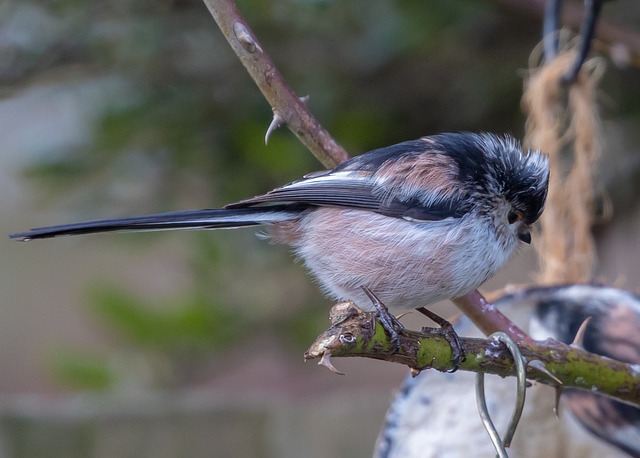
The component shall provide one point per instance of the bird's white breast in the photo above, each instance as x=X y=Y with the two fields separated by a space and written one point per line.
x=406 y=264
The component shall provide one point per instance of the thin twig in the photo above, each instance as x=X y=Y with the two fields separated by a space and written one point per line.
x=488 y=318
x=284 y=102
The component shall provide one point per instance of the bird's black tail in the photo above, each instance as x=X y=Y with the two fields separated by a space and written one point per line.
x=225 y=218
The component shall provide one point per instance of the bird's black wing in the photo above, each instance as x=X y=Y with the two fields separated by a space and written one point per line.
x=354 y=190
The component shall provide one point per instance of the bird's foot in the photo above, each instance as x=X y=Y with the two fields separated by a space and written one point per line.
x=450 y=334
x=389 y=322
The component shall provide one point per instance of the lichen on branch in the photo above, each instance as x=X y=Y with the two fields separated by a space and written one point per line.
x=357 y=333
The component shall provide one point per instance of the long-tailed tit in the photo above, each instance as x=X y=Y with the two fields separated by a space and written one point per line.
x=412 y=223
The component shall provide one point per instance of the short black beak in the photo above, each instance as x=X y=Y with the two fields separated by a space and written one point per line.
x=524 y=235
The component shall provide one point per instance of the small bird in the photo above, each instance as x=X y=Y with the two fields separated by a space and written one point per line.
x=405 y=226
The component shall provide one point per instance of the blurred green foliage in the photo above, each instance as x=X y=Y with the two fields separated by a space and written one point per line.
x=79 y=370
x=186 y=129
x=192 y=325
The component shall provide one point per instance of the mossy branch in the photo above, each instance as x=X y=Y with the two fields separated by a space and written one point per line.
x=357 y=333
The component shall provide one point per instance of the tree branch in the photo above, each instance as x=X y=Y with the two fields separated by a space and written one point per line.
x=488 y=318
x=357 y=333
x=286 y=105
x=290 y=109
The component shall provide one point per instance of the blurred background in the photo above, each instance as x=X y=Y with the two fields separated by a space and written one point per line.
x=191 y=344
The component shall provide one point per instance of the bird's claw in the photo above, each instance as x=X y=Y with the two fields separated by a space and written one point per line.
x=389 y=322
x=446 y=330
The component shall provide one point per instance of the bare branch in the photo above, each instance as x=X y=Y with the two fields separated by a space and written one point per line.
x=488 y=318
x=285 y=103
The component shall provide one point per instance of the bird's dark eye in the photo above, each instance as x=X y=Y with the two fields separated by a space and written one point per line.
x=512 y=217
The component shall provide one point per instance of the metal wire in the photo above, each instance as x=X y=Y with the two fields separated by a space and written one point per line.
x=551 y=30
x=587 y=30
x=521 y=371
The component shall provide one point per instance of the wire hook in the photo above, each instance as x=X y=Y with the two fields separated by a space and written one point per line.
x=521 y=373
x=551 y=27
